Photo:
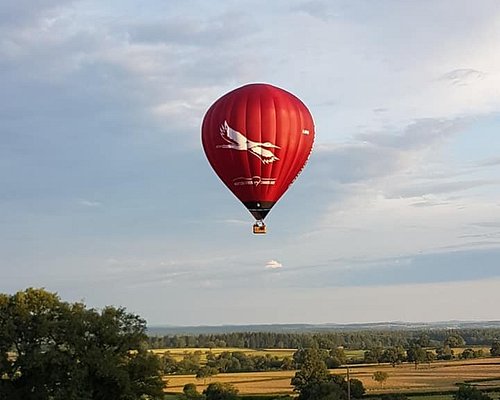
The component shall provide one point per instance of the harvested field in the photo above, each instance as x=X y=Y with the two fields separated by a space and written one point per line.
x=246 y=382
x=437 y=376
x=429 y=377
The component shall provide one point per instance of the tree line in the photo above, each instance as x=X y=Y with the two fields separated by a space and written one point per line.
x=238 y=361
x=347 y=339
x=227 y=361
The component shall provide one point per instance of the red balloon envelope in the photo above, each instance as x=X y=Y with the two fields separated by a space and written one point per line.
x=257 y=139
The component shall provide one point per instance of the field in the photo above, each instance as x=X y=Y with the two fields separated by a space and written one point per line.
x=435 y=377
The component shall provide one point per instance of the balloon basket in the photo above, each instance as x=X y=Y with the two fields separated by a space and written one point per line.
x=259 y=228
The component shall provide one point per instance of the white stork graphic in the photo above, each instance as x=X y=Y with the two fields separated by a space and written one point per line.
x=238 y=141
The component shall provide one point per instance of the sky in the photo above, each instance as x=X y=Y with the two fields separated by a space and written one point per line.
x=107 y=197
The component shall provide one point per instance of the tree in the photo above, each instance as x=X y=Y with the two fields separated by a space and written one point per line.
x=206 y=372
x=444 y=353
x=416 y=355
x=190 y=363
x=334 y=387
x=169 y=364
x=50 y=349
x=210 y=344
x=220 y=391
x=373 y=355
x=495 y=348
x=393 y=355
x=380 y=376
x=312 y=368
x=454 y=340
x=357 y=388
x=190 y=392
x=327 y=390
x=430 y=356
x=468 y=392
x=286 y=364
x=423 y=340
x=336 y=357
x=313 y=381
x=468 y=354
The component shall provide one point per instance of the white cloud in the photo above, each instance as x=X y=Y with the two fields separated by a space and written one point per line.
x=273 y=264
x=89 y=203
x=463 y=77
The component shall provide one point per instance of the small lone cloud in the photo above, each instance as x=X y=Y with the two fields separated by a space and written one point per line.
x=89 y=203
x=273 y=264
x=463 y=77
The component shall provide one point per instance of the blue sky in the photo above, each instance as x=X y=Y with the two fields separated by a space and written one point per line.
x=106 y=195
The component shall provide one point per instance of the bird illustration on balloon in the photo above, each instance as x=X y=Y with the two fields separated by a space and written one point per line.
x=238 y=141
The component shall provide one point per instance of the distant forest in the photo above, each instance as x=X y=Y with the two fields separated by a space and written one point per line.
x=365 y=339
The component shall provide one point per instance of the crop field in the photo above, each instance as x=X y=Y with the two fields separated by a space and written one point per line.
x=433 y=377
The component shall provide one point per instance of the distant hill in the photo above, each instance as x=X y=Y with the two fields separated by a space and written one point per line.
x=299 y=328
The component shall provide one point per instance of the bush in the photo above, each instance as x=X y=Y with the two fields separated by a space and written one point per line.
x=220 y=391
x=468 y=392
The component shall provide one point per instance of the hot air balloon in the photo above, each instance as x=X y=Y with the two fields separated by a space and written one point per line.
x=257 y=138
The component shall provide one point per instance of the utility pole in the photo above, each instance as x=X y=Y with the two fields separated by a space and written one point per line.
x=348 y=384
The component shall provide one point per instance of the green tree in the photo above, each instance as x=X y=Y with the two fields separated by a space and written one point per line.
x=190 y=392
x=312 y=368
x=444 y=353
x=380 y=376
x=373 y=355
x=286 y=364
x=314 y=382
x=357 y=388
x=220 y=391
x=416 y=355
x=336 y=357
x=468 y=354
x=210 y=344
x=50 y=349
x=334 y=387
x=495 y=348
x=206 y=372
x=430 y=356
x=454 y=340
x=169 y=364
x=327 y=390
x=423 y=340
x=393 y=355
x=468 y=392
x=190 y=362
